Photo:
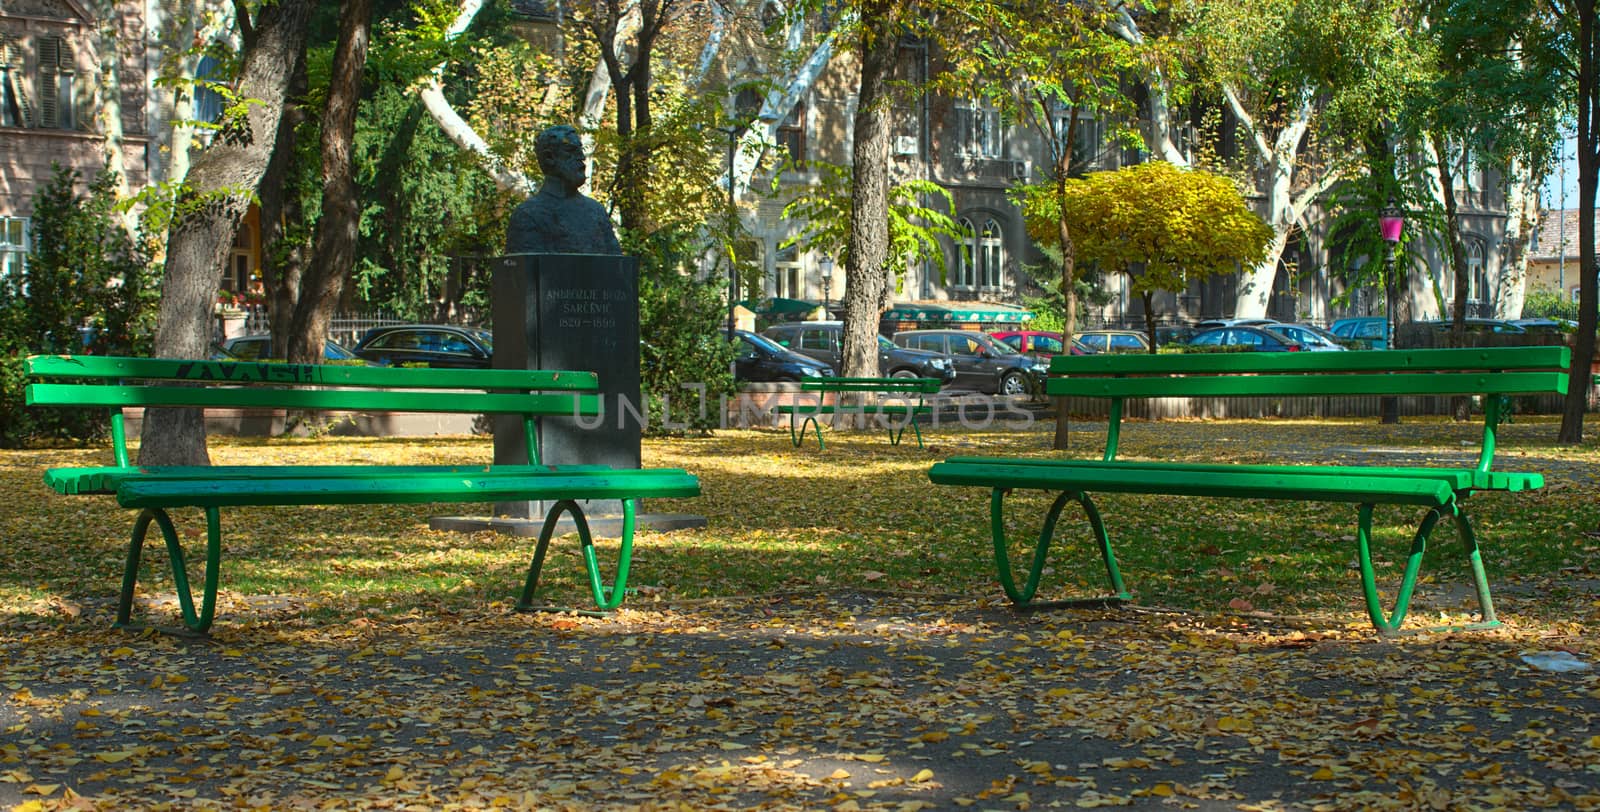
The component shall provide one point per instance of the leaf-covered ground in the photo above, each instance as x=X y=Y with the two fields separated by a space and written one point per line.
x=835 y=639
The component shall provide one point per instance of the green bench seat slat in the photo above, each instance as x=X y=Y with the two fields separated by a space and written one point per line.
x=916 y=385
x=115 y=368
x=353 y=400
x=1236 y=484
x=416 y=488
x=1458 y=478
x=867 y=408
x=1310 y=385
x=105 y=479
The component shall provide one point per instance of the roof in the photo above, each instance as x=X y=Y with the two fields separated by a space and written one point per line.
x=1557 y=235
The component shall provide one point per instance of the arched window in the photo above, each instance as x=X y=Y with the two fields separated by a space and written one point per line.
x=991 y=255
x=1477 y=277
x=207 y=102
x=965 y=276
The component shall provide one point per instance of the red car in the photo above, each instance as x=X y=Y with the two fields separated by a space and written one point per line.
x=1040 y=343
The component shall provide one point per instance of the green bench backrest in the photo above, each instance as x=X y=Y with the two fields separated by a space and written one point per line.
x=1466 y=371
x=912 y=385
x=116 y=383
x=1461 y=371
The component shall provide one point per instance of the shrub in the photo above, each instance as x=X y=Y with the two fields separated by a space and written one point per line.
x=88 y=287
x=682 y=321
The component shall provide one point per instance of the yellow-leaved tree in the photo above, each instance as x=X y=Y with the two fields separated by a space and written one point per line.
x=1159 y=225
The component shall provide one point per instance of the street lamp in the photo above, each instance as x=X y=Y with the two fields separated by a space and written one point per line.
x=733 y=131
x=825 y=265
x=1390 y=224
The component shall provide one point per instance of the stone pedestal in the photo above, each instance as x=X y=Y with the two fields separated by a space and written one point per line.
x=577 y=312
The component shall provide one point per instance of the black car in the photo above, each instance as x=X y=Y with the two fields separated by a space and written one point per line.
x=257 y=347
x=824 y=341
x=436 y=345
x=982 y=362
x=1248 y=339
x=759 y=359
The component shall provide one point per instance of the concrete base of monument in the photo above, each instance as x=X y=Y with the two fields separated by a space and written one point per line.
x=600 y=525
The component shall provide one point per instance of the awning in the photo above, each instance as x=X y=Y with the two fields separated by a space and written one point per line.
x=958 y=312
x=779 y=306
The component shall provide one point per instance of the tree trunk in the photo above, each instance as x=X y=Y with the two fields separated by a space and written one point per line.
x=866 y=276
x=1588 y=179
x=281 y=263
x=1069 y=280
x=1460 y=406
x=337 y=230
x=220 y=185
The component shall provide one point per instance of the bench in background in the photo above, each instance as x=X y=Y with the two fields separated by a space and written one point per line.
x=895 y=402
x=1439 y=492
x=118 y=383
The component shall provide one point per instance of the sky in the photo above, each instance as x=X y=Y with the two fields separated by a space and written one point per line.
x=1565 y=177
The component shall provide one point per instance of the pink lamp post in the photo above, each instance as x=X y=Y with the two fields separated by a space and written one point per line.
x=1390 y=224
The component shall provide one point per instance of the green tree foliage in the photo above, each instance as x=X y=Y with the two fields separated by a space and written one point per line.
x=84 y=271
x=1159 y=225
x=425 y=201
x=920 y=214
x=683 y=356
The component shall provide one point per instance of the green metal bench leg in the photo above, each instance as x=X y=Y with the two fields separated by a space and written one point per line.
x=597 y=588
x=1389 y=623
x=896 y=434
x=800 y=437
x=1023 y=598
x=200 y=622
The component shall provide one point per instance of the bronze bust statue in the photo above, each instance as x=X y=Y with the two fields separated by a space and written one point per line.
x=559 y=219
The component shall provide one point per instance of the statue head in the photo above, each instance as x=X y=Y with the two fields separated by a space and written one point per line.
x=560 y=153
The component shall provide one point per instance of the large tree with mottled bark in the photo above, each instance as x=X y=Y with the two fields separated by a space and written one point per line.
x=209 y=206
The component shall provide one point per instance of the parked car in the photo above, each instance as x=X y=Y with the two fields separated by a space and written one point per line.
x=1115 y=340
x=1041 y=343
x=1362 y=332
x=1212 y=324
x=1476 y=326
x=1254 y=339
x=1547 y=325
x=1310 y=336
x=257 y=347
x=760 y=359
x=824 y=341
x=981 y=361
x=1174 y=334
x=436 y=345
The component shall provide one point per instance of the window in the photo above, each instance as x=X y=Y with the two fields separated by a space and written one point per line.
x=1046 y=344
x=238 y=275
x=991 y=255
x=934 y=343
x=786 y=273
x=1477 y=278
x=818 y=340
x=978 y=127
x=14 y=111
x=792 y=134
x=13 y=245
x=57 y=78
x=964 y=278
x=207 y=102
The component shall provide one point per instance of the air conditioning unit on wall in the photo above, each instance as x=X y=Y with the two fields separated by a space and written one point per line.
x=905 y=145
x=1019 y=170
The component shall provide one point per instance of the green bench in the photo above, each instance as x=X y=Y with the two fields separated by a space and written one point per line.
x=118 y=383
x=1439 y=492
x=894 y=402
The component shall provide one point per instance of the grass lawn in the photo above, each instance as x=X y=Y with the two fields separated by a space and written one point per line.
x=835 y=639
x=861 y=514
